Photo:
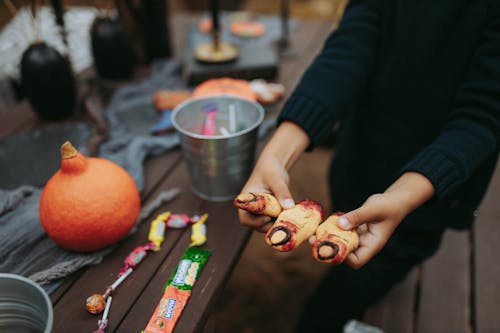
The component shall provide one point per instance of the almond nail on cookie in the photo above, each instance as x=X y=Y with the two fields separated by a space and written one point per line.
x=258 y=203
x=333 y=244
x=295 y=225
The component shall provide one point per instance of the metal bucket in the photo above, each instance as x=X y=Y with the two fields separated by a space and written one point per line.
x=24 y=306
x=218 y=138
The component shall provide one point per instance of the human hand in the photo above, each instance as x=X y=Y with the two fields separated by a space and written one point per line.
x=269 y=176
x=375 y=221
x=380 y=215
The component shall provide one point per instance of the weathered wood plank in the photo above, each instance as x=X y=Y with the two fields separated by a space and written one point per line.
x=444 y=304
x=156 y=169
x=486 y=267
x=394 y=313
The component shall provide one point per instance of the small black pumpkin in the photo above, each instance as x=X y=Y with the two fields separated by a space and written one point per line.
x=48 y=82
x=112 y=51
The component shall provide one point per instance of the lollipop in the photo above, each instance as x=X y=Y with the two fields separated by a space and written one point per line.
x=96 y=303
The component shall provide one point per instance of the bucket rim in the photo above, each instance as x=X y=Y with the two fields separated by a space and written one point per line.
x=178 y=108
x=50 y=312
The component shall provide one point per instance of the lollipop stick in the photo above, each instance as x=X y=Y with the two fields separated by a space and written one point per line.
x=101 y=324
x=117 y=282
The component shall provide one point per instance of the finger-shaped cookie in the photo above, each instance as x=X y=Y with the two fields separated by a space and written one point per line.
x=295 y=225
x=333 y=244
x=258 y=203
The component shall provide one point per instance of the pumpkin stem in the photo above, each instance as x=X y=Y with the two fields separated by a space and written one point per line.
x=68 y=150
x=71 y=160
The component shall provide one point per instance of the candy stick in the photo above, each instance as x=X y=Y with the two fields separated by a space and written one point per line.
x=232 y=118
x=224 y=131
x=117 y=282
x=209 y=124
x=104 y=321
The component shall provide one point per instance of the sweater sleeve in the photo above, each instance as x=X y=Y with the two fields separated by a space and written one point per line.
x=471 y=135
x=338 y=73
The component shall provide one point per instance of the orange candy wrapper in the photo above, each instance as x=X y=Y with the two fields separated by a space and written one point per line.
x=177 y=292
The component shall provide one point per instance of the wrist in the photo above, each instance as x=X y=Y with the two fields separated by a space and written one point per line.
x=287 y=144
x=411 y=190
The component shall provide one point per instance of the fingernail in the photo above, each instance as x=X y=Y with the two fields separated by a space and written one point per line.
x=266 y=219
x=287 y=203
x=344 y=223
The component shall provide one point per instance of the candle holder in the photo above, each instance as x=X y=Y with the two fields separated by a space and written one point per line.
x=218 y=58
x=215 y=51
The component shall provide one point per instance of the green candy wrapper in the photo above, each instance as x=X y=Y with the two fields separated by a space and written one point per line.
x=177 y=291
x=189 y=268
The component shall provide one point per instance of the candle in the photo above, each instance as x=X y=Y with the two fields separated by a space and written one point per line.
x=214 y=8
x=285 y=12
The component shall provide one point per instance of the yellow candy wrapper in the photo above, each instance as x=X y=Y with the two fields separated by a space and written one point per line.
x=157 y=230
x=199 y=231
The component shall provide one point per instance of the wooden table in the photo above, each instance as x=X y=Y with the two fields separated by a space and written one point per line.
x=137 y=297
x=455 y=291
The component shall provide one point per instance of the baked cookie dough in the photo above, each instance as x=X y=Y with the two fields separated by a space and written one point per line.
x=333 y=244
x=258 y=203
x=295 y=225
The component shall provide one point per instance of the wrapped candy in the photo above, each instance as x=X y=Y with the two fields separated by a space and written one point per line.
x=157 y=230
x=178 y=221
x=178 y=291
x=199 y=231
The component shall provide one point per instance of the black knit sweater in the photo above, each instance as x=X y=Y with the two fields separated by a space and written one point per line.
x=415 y=86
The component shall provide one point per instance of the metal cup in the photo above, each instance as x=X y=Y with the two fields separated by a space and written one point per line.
x=218 y=138
x=24 y=306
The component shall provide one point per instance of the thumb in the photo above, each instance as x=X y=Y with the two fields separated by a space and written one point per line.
x=282 y=193
x=355 y=218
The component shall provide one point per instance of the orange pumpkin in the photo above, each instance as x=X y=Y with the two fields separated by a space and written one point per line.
x=89 y=203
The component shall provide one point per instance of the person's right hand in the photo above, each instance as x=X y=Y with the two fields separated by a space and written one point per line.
x=270 y=174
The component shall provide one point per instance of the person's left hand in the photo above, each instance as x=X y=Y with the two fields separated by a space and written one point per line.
x=381 y=213
x=375 y=220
